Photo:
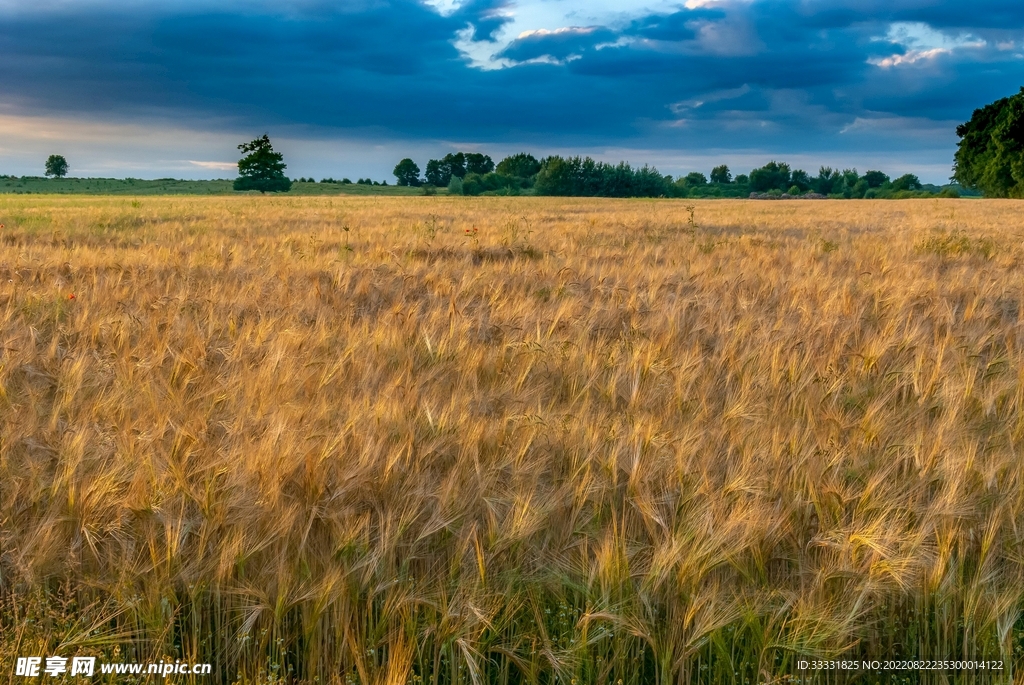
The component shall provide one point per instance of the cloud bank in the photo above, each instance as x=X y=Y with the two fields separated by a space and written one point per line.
x=853 y=79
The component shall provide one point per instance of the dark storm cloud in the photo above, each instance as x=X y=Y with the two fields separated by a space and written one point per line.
x=730 y=74
x=993 y=14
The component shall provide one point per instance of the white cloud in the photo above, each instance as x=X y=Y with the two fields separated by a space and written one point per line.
x=482 y=54
x=444 y=7
x=909 y=57
x=533 y=17
x=903 y=127
x=222 y=166
x=705 y=98
x=923 y=44
x=564 y=31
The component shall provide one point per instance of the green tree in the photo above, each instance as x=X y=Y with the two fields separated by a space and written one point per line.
x=721 y=174
x=436 y=174
x=521 y=165
x=801 y=180
x=772 y=176
x=261 y=169
x=876 y=179
x=907 y=182
x=585 y=177
x=477 y=163
x=473 y=184
x=407 y=173
x=695 y=178
x=456 y=164
x=990 y=154
x=827 y=180
x=56 y=166
x=440 y=171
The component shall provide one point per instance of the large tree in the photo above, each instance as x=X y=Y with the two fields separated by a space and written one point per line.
x=990 y=154
x=440 y=171
x=876 y=179
x=772 y=176
x=56 y=166
x=407 y=172
x=261 y=169
x=477 y=163
x=521 y=165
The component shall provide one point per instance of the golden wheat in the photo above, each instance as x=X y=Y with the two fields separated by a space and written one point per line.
x=456 y=440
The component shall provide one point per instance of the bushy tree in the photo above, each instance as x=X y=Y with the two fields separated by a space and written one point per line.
x=56 y=166
x=721 y=174
x=473 y=184
x=479 y=164
x=801 y=180
x=907 y=182
x=772 y=176
x=407 y=173
x=456 y=164
x=741 y=179
x=848 y=179
x=990 y=154
x=826 y=181
x=876 y=179
x=261 y=169
x=695 y=178
x=521 y=165
x=436 y=175
x=440 y=171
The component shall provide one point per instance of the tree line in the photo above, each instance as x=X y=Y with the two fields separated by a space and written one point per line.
x=989 y=159
x=476 y=173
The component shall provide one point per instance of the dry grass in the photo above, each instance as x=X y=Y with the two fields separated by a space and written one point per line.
x=345 y=441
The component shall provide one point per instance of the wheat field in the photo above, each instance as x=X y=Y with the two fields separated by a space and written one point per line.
x=500 y=441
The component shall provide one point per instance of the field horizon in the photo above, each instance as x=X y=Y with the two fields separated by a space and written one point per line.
x=504 y=440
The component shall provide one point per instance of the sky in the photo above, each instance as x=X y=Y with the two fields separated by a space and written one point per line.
x=169 y=88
